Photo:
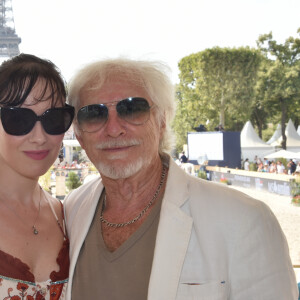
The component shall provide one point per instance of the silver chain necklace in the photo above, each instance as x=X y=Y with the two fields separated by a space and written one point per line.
x=34 y=229
x=120 y=225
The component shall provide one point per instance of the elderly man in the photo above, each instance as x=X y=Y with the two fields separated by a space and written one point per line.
x=146 y=229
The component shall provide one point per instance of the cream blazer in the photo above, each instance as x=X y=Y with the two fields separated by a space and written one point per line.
x=213 y=243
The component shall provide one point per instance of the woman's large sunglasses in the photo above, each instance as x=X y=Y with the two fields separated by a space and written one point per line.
x=134 y=110
x=20 y=121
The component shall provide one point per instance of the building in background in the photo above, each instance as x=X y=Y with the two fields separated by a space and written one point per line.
x=9 y=40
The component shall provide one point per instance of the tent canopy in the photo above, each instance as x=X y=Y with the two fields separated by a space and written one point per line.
x=252 y=145
x=276 y=135
x=249 y=138
x=71 y=143
x=284 y=154
x=292 y=137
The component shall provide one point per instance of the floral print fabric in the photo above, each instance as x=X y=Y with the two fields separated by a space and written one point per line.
x=22 y=290
x=18 y=283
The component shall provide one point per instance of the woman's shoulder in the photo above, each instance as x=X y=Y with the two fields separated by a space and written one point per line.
x=55 y=205
x=50 y=199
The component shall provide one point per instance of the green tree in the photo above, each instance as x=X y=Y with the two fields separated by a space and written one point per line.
x=45 y=180
x=73 y=181
x=217 y=85
x=187 y=114
x=259 y=110
x=279 y=80
x=227 y=81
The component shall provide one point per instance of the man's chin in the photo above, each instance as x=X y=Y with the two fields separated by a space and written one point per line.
x=120 y=170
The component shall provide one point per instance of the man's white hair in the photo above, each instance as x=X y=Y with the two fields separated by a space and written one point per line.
x=150 y=76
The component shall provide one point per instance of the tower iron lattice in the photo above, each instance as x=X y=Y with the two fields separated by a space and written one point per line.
x=9 y=40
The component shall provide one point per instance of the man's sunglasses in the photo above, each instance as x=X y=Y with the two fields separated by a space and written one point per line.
x=20 y=121
x=134 y=110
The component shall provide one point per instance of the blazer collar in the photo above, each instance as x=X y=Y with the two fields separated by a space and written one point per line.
x=177 y=187
x=176 y=196
x=85 y=216
x=173 y=235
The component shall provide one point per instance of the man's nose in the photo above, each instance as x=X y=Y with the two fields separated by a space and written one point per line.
x=114 y=125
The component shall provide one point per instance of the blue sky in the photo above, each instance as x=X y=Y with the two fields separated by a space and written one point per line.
x=72 y=33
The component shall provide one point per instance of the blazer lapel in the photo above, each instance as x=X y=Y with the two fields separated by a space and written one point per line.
x=172 y=239
x=82 y=222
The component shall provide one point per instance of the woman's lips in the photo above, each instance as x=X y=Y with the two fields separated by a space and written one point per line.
x=37 y=155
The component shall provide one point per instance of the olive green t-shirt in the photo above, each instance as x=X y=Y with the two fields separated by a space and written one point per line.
x=122 y=274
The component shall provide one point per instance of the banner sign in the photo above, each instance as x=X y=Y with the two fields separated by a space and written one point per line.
x=262 y=184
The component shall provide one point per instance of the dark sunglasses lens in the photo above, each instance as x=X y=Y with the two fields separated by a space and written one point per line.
x=57 y=121
x=91 y=118
x=134 y=110
x=17 y=121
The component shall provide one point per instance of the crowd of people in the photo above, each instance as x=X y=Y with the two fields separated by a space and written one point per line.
x=292 y=166
x=73 y=165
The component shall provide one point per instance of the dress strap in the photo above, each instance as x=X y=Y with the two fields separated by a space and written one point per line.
x=62 y=227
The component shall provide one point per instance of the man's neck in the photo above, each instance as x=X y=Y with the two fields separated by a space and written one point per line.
x=134 y=191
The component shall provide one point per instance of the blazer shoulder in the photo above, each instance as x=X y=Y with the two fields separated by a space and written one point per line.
x=81 y=197
x=82 y=191
x=227 y=204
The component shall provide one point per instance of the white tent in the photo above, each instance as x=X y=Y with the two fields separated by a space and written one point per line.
x=276 y=135
x=71 y=143
x=292 y=138
x=285 y=154
x=252 y=145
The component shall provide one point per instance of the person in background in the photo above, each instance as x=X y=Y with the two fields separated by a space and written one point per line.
x=183 y=158
x=291 y=167
x=260 y=167
x=266 y=168
x=280 y=168
x=34 y=255
x=266 y=162
x=273 y=167
x=246 y=165
x=147 y=230
x=219 y=128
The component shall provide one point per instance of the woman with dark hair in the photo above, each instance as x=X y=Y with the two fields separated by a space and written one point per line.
x=34 y=247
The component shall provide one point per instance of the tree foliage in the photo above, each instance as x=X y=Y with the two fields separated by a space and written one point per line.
x=73 y=181
x=232 y=86
x=218 y=85
x=279 y=80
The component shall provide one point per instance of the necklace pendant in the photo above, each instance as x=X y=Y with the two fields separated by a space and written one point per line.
x=35 y=231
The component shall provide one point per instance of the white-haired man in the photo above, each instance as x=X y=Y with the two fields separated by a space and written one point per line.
x=146 y=229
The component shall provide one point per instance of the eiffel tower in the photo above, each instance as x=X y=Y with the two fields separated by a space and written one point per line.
x=9 y=41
